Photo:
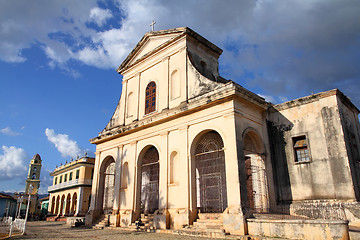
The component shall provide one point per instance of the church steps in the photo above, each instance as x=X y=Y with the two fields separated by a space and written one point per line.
x=101 y=222
x=210 y=224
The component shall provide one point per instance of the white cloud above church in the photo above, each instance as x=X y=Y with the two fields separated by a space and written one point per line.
x=292 y=47
x=66 y=146
x=100 y=16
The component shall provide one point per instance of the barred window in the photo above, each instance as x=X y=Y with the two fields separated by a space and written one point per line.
x=150 y=98
x=301 y=149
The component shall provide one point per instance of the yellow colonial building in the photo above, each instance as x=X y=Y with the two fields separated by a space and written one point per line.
x=71 y=189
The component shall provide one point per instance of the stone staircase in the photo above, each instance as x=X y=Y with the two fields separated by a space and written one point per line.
x=102 y=221
x=209 y=224
x=146 y=223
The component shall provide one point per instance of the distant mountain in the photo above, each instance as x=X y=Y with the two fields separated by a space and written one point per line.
x=12 y=194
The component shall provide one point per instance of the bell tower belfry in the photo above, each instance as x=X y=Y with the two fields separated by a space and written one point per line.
x=33 y=177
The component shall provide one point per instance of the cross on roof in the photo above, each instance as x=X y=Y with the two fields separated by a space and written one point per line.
x=152 y=25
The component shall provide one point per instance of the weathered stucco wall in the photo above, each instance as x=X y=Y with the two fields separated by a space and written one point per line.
x=351 y=127
x=327 y=174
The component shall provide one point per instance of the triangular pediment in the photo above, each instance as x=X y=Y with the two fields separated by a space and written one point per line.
x=149 y=43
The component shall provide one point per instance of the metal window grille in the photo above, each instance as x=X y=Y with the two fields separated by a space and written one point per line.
x=150 y=181
x=256 y=186
x=301 y=149
x=210 y=165
x=109 y=187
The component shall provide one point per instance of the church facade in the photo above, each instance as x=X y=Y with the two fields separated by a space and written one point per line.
x=184 y=142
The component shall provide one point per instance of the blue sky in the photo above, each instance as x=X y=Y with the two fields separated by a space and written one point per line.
x=58 y=59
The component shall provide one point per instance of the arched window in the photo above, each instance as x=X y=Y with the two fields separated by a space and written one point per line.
x=130 y=105
x=175 y=84
x=150 y=99
x=174 y=159
x=125 y=176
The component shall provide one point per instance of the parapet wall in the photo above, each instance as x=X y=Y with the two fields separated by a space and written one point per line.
x=299 y=229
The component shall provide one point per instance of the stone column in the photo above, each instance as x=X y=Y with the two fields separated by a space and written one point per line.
x=185 y=214
x=165 y=62
x=117 y=186
x=63 y=207
x=233 y=218
x=79 y=201
x=70 y=205
x=124 y=103
x=138 y=75
x=94 y=192
x=161 y=219
x=135 y=211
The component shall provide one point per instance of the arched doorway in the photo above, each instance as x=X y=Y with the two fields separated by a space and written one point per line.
x=149 y=174
x=74 y=203
x=209 y=157
x=57 y=209
x=256 y=181
x=53 y=205
x=62 y=207
x=67 y=207
x=109 y=183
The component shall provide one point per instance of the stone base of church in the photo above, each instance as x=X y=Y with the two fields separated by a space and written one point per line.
x=328 y=209
x=162 y=219
x=298 y=229
x=180 y=217
x=91 y=216
x=114 y=220
x=126 y=217
x=234 y=221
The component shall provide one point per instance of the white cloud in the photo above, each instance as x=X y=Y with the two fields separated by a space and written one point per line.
x=268 y=98
x=100 y=16
x=283 y=99
x=287 y=47
x=9 y=132
x=12 y=163
x=22 y=27
x=62 y=142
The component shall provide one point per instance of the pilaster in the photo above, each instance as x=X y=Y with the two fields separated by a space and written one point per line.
x=118 y=173
x=233 y=218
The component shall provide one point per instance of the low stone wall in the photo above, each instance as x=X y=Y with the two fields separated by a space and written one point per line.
x=328 y=209
x=73 y=220
x=299 y=229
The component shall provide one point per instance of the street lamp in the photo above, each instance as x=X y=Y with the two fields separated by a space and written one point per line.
x=28 y=205
x=19 y=201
